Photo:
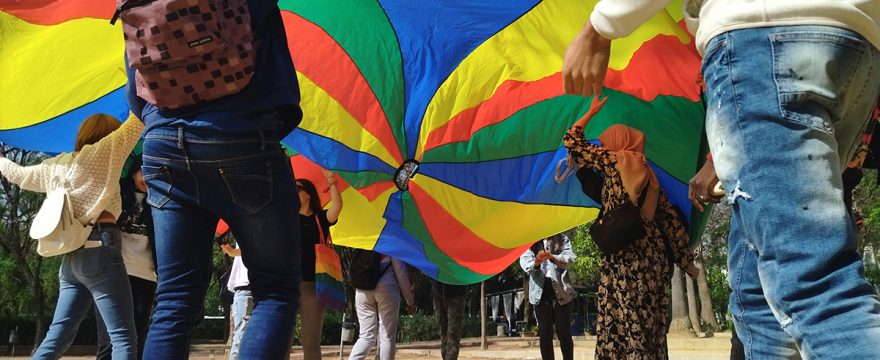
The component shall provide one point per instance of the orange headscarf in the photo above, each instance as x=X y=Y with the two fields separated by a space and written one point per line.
x=628 y=145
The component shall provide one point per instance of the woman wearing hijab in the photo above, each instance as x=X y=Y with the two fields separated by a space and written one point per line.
x=633 y=282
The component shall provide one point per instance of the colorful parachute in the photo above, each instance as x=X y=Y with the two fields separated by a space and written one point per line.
x=443 y=118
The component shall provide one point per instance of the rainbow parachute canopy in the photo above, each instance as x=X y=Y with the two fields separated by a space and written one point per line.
x=443 y=119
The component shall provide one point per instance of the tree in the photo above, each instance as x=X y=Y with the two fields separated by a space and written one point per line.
x=680 y=322
x=585 y=270
x=707 y=312
x=16 y=213
x=693 y=312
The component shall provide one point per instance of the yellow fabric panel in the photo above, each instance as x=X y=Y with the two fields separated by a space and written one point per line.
x=41 y=64
x=320 y=106
x=360 y=221
x=505 y=223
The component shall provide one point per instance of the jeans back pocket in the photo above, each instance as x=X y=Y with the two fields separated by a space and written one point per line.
x=89 y=263
x=250 y=187
x=158 y=179
x=813 y=72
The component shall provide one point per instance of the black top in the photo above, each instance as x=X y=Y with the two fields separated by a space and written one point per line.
x=136 y=217
x=309 y=237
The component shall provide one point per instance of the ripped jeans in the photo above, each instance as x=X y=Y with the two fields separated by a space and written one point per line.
x=786 y=108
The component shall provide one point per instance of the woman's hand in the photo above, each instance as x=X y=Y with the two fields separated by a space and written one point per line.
x=329 y=175
x=229 y=250
x=595 y=106
x=540 y=257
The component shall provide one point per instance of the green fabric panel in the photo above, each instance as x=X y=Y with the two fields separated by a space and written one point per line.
x=362 y=29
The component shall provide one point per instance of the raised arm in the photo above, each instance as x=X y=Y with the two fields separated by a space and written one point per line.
x=335 y=198
x=31 y=178
x=586 y=59
x=527 y=261
x=581 y=151
x=118 y=144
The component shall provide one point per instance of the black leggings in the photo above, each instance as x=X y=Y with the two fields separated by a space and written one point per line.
x=550 y=313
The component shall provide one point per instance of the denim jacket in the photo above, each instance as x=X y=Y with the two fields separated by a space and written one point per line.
x=558 y=271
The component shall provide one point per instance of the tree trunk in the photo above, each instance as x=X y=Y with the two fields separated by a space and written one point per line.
x=39 y=305
x=693 y=312
x=483 y=343
x=527 y=309
x=707 y=311
x=680 y=322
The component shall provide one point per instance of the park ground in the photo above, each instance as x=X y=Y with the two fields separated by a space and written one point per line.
x=681 y=347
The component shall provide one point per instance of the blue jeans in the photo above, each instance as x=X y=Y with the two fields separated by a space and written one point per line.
x=196 y=176
x=786 y=107
x=242 y=305
x=93 y=275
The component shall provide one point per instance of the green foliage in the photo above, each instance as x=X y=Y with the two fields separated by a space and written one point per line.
x=866 y=201
x=718 y=289
x=423 y=327
x=873 y=275
x=585 y=269
x=417 y=327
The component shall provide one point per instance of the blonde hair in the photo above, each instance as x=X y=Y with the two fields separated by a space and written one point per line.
x=93 y=129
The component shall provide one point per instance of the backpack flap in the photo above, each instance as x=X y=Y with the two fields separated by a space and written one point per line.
x=49 y=216
x=68 y=234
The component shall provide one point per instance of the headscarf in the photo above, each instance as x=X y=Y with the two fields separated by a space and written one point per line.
x=628 y=145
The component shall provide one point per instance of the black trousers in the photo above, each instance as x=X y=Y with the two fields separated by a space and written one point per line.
x=550 y=314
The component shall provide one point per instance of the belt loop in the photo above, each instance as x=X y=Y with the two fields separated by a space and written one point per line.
x=180 y=137
x=262 y=139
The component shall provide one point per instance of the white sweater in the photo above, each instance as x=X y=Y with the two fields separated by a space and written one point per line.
x=709 y=18
x=93 y=181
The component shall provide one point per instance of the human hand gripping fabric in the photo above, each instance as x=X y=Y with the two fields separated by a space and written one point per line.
x=230 y=251
x=585 y=63
x=701 y=187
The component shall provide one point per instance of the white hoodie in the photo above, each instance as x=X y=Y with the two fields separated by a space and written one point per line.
x=708 y=18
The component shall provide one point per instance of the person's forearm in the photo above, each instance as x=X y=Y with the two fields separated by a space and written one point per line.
x=613 y=19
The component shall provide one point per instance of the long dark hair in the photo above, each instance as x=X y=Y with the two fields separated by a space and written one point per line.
x=314 y=199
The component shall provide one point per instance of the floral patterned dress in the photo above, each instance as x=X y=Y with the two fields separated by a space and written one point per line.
x=633 y=283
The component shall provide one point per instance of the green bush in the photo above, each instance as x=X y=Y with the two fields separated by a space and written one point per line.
x=417 y=327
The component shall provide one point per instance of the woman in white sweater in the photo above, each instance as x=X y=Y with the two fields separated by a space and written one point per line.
x=94 y=272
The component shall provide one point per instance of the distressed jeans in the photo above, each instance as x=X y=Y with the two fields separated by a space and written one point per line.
x=242 y=305
x=786 y=108
x=196 y=176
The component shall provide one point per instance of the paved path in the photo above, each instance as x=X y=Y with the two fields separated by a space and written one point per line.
x=681 y=347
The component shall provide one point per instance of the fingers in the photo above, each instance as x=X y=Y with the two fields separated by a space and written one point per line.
x=567 y=82
x=577 y=84
x=692 y=196
x=589 y=87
